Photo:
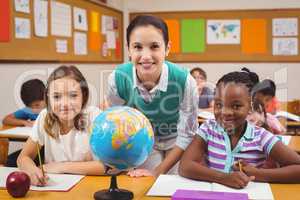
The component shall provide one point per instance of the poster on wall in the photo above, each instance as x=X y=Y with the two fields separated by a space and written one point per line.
x=285 y=46
x=285 y=26
x=223 y=31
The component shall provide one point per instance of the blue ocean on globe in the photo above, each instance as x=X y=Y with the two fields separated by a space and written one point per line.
x=122 y=137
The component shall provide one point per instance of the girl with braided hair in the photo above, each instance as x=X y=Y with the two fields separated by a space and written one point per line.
x=219 y=144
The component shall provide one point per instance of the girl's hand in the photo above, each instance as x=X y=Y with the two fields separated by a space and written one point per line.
x=140 y=173
x=37 y=178
x=247 y=168
x=55 y=167
x=237 y=179
x=28 y=123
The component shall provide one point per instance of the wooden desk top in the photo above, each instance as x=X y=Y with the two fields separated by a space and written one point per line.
x=295 y=143
x=139 y=186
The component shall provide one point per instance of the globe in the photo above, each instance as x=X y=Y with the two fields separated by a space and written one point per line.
x=122 y=137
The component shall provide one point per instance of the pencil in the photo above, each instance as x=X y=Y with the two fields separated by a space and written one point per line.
x=240 y=166
x=40 y=159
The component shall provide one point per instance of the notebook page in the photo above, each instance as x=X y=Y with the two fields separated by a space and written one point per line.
x=18 y=131
x=255 y=190
x=166 y=185
x=57 y=182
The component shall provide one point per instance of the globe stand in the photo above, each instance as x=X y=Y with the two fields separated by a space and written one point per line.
x=113 y=192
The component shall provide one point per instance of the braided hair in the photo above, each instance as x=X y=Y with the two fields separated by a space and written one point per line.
x=245 y=76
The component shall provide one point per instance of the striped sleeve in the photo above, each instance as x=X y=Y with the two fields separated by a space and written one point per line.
x=203 y=130
x=267 y=141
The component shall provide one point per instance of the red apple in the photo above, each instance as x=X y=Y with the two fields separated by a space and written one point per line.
x=17 y=184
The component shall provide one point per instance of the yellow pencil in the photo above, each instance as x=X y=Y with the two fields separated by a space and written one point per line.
x=240 y=166
x=40 y=159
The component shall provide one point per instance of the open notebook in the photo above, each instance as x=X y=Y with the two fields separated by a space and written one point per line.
x=166 y=185
x=206 y=115
x=287 y=115
x=57 y=182
x=18 y=131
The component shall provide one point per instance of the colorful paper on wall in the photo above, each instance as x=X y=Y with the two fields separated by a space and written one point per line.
x=22 y=28
x=174 y=35
x=61 y=19
x=95 y=25
x=254 y=36
x=22 y=6
x=40 y=8
x=94 y=41
x=285 y=26
x=80 y=42
x=94 y=33
x=192 y=35
x=80 y=19
x=4 y=20
x=118 y=48
x=285 y=46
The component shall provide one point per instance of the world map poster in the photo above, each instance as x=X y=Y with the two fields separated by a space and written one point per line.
x=223 y=31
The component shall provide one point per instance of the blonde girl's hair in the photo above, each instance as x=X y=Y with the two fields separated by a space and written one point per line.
x=52 y=123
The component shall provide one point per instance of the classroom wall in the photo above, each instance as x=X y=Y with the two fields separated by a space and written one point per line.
x=285 y=74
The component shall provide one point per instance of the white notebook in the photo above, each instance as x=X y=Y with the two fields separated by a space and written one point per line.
x=18 y=131
x=57 y=182
x=287 y=115
x=166 y=185
x=206 y=115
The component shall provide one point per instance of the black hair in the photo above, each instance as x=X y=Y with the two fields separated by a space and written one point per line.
x=259 y=107
x=253 y=76
x=32 y=90
x=265 y=87
x=146 y=20
x=246 y=77
x=201 y=71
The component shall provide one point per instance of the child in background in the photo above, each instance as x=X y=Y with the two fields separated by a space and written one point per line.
x=219 y=144
x=206 y=96
x=264 y=92
x=63 y=129
x=32 y=95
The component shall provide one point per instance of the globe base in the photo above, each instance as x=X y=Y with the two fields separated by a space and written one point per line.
x=113 y=193
x=119 y=194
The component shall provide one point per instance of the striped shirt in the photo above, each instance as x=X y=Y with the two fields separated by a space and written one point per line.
x=253 y=147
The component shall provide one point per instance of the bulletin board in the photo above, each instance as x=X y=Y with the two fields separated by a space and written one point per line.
x=94 y=32
x=233 y=35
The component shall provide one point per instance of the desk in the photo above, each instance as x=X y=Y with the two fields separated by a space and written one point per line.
x=292 y=127
x=295 y=143
x=12 y=137
x=139 y=186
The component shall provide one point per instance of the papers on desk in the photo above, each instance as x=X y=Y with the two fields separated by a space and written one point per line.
x=255 y=190
x=288 y=115
x=57 y=182
x=166 y=185
x=17 y=131
x=206 y=115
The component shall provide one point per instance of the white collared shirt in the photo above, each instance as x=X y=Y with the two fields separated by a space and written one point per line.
x=162 y=84
x=187 y=123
